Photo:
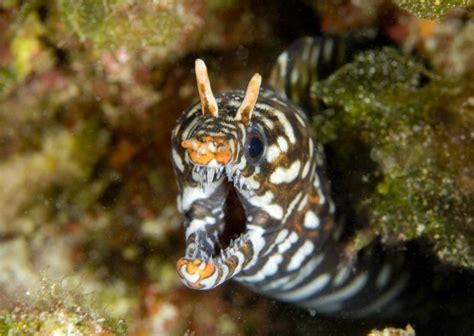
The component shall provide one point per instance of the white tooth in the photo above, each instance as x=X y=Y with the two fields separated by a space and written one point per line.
x=210 y=175
x=228 y=171
x=242 y=183
x=219 y=172
x=235 y=176
x=236 y=182
x=201 y=181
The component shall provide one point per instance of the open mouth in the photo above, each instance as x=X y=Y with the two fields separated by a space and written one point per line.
x=234 y=214
x=206 y=175
x=212 y=255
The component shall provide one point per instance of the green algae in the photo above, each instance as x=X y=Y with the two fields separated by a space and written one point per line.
x=57 y=310
x=110 y=24
x=432 y=9
x=7 y=79
x=417 y=127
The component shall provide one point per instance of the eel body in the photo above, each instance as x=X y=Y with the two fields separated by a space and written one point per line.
x=260 y=143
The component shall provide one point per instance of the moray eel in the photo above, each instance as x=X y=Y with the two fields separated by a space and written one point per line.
x=260 y=143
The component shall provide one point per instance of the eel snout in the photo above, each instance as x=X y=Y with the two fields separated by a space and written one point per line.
x=197 y=273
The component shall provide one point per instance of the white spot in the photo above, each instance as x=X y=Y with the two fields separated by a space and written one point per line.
x=330 y=308
x=311 y=221
x=280 y=237
x=286 y=126
x=177 y=161
x=267 y=122
x=332 y=207
x=316 y=183
x=307 y=290
x=342 y=276
x=178 y=204
x=305 y=169
x=273 y=152
x=384 y=299
x=294 y=76
x=343 y=294
x=256 y=238
x=322 y=199
x=300 y=255
x=290 y=281
x=240 y=262
x=383 y=276
x=264 y=202
x=211 y=281
x=242 y=163
x=283 y=144
x=191 y=278
x=289 y=209
x=282 y=61
x=253 y=182
x=327 y=51
x=285 y=175
x=303 y=203
x=270 y=268
x=192 y=194
x=307 y=49
x=300 y=119
x=199 y=224
x=285 y=245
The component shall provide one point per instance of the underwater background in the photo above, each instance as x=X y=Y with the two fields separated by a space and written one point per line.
x=89 y=93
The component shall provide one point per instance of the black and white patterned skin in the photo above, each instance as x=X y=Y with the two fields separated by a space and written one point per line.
x=261 y=144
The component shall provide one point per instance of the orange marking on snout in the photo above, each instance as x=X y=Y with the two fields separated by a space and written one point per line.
x=193 y=267
x=201 y=152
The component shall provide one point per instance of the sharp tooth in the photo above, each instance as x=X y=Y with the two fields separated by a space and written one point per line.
x=241 y=183
x=201 y=180
x=210 y=175
x=228 y=171
x=235 y=175
x=219 y=172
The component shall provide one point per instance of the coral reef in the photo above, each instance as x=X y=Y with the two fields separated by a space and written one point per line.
x=408 y=331
x=420 y=136
x=53 y=310
x=89 y=91
x=432 y=9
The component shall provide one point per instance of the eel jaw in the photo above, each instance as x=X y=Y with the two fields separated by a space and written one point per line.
x=206 y=175
x=194 y=272
x=202 y=272
x=199 y=269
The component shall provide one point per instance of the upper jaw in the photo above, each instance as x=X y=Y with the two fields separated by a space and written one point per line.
x=206 y=175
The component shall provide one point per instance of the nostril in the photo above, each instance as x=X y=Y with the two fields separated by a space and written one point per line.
x=191 y=144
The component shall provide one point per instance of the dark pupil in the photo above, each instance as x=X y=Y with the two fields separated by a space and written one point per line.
x=255 y=147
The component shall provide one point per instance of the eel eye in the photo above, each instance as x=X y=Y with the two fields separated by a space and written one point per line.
x=256 y=143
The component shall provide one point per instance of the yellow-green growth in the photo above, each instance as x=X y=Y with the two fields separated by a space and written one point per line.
x=417 y=128
x=432 y=9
